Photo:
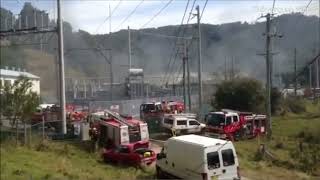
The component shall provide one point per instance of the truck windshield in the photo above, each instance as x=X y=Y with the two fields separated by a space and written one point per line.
x=215 y=119
x=148 y=107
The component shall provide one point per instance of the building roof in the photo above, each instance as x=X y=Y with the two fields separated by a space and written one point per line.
x=200 y=140
x=12 y=73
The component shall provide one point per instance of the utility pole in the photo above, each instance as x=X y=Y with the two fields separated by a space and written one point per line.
x=129 y=47
x=199 y=61
x=316 y=63
x=295 y=72
x=268 y=88
x=41 y=36
x=184 y=79
x=61 y=70
x=34 y=18
x=310 y=76
x=20 y=19
x=111 y=69
x=188 y=77
x=225 y=69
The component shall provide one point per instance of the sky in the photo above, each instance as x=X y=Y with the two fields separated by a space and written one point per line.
x=91 y=15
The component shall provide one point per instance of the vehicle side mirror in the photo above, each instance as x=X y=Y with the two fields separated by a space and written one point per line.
x=161 y=156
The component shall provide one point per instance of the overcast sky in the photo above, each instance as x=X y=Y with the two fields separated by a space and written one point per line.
x=90 y=15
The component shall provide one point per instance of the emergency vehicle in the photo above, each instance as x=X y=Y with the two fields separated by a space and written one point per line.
x=111 y=129
x=233 y=125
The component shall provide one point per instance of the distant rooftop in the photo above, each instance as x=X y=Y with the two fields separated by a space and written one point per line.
x=12 y=73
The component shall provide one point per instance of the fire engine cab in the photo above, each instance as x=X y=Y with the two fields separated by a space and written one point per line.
x=111 y=129
x=230 y=124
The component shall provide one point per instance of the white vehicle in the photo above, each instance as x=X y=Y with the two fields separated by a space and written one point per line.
x=182 y=123
x=197 y=157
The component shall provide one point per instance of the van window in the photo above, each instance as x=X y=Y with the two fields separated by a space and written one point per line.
x=227 y=157
x=194 y=123
x=183 y=122
x=235 y=119
x=123 y=149
x=215 y=119
x=229 y=120
x=213 y=160
x=168 y=121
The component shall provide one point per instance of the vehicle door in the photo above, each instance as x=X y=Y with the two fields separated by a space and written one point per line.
x=167 y=123
x=229 y=163
x=123 y=154
x=194 y=126
x=214 y=164
x=181 y=124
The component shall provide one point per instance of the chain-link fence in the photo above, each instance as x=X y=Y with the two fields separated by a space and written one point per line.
x=131 y=107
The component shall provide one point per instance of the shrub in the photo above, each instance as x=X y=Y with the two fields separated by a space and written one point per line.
x=294 y=105
x=242 y=94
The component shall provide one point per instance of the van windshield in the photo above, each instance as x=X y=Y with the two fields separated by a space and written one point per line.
x=215 y=119
x=213 y=160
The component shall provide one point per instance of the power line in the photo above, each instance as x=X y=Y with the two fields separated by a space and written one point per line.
x=167 y=76
x=204 y=7
x=189 y=18
x=130 y=14
x=154 y=16
x=185 y=10
x=108 y=17
x=273 y=4
x=305 y=9
x=163 y=35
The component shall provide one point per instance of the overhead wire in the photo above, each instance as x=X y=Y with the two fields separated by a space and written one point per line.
x=108 y=17
x=154 y=16
x=167 y=73
x=130 y=14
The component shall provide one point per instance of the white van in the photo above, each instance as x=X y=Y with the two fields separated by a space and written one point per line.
x=197 y=157
x=182 y=123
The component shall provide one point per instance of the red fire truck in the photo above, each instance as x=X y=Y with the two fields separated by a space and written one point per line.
x=234 y=125
x=157 y=109
x=111 y=130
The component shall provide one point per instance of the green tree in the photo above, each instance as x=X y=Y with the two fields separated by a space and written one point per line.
x=18 y=102
x=242 y=94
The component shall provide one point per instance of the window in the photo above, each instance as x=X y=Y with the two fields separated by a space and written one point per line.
x=183 y=122
x=7 y=82
x=194 y=123
x=229 y=120
x=215 y=119
x=168 y=121
x=148 y=108
x=227 y=157
x=235 y=118
x=124 y=149
x=213 y=160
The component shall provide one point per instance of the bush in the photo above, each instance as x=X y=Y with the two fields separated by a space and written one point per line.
x=308 y=159
x=244 y=94
x=241 y=94
x=294 y=105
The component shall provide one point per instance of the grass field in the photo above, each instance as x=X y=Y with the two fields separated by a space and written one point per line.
x=67 y=160
x=61 y=160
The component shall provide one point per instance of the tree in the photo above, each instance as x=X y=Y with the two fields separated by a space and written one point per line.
x=18 y=102
x=242 y=94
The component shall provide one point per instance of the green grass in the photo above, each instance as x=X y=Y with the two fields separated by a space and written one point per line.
x=285 y=131
x=59 y=160
x=68 y=160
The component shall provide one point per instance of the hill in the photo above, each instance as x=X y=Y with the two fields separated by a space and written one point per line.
x=220 y=43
